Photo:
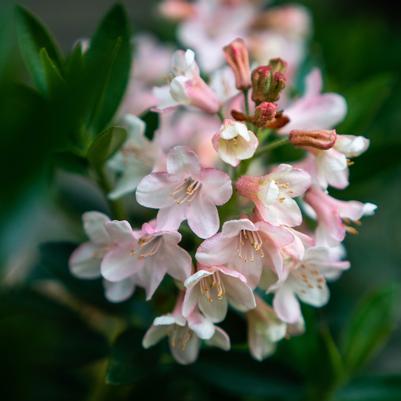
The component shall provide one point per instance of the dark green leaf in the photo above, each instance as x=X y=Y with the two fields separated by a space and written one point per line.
x=129 y=361
x=374 y=388
x=108 y=64
x=71 y=162
x=51 y=73
x=32 y=38
x=370 y=326
x=106 y=144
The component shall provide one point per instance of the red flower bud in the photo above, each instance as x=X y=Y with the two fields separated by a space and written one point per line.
x=237 y=57
x=268 y=81
x=264 y=113
x=318 y=139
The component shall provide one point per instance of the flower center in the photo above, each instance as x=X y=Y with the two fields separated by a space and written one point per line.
x=180 y=337
x=212 y=287
x=309 y=278
x=186 y=191
x=149 y=245
x=249 y=245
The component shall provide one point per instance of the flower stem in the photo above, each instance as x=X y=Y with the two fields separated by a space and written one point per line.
x=116 y=206
x=246 y=101
x=271 y=146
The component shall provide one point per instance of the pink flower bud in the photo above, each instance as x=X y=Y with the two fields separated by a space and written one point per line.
x=265 y=112
x=236 y=54
x=318 y=139
x=176 y=10
x=268 y=81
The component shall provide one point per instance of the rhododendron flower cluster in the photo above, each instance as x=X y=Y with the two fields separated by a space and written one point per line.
x=262 y=236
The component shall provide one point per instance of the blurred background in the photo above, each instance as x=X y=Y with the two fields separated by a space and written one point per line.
x=50 y=351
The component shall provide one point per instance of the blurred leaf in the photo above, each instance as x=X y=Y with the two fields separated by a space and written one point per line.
x=130 y=362
x=370 y=326
x=71 y=162
x=364 y=101
x=374 y=388
x=105 y=145
x=152 y=122
x=33 y=37
x=239 y=375
x=108 y=65
x=51 y=73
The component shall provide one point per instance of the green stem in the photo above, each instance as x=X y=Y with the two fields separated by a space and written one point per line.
x=246 y=101
x=271 y=146
x=220 y=115
x=116 y=206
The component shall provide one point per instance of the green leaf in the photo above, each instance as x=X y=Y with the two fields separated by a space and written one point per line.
x=108 y=66
x=372 y=388
x=105 y=145
x=370 y=327
x=130 y=362
x=32 y=38
x=51 y=73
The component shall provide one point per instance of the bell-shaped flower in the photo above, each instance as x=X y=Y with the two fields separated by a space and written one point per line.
x=265 y=330
x=185 y=334
x=149 y=257
x=335 y=216
x=234 y=142
x=212 y=288
x=103 y=235
x=186 y=191
x=186 y=87
x=306 y=282
x=330 y=167
x=136 y=158
x=246 y=247
x=314 y=110
x=273 y=194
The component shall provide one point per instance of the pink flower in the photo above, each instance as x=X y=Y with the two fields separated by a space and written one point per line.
x=212 y=288
x=104 y=235
x=273 y=194
x=330 y=167
x=306 y=282
x=334 y=216
x=264 y=330
x=237 y=57
x=246 y=247
x=186 y=87
x=315 y=111
x=234 y=142
x=185 y=334
x=186 y=191
x=137 y=157
x=148 y=256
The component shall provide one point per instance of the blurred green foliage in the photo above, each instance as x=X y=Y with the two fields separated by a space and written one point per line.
x=58 y=118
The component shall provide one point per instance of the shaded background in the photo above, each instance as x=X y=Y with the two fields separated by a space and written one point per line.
x=358 y=45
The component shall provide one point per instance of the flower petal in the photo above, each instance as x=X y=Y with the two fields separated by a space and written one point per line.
x=202 y=216
x=182 y=160
x=216 y=186
x=220 y=339
x=85 y=261
x=185 y=354
x=94 y=227
x=286 y=305
x=154 y=335
x=119 y=291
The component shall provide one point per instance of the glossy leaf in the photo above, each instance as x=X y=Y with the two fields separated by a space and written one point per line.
x=32 y=38
x=106 y=144
x=370 y=327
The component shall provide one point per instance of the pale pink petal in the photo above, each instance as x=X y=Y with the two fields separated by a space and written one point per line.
x=239 y=294
x=350 y=145
x=187 y=354
x=232 y=228
x=284 y=212
x=119 y=291
x=170 y=218
x=94 y=227
x=154 y=335
x=175 y=260
x=182 y=160
x=297 y=180
x=202 y=216
x=216 y=186
x=154 y=190
x=151 y=275
x=220 y=339
x=203 y=327
x=120 y=231
x=85 y=261
x=216 y=250
x=215 y=310
x=286 y=305
x=120 y=263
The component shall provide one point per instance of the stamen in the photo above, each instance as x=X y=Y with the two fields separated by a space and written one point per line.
x=212 y=287
x=186 y=191
x=149 y=245
x=253 y=239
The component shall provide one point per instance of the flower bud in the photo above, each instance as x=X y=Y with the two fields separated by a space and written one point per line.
x=237 y=57
x=318 y=139
x=176 y=10
x=268 y=81
x=264 y=113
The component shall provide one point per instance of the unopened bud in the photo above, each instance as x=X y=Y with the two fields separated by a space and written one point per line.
x=279 y=121
x=318 y=139
x=265 y=112
x=176 y=10
x=268 y=81
x=237 y=57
